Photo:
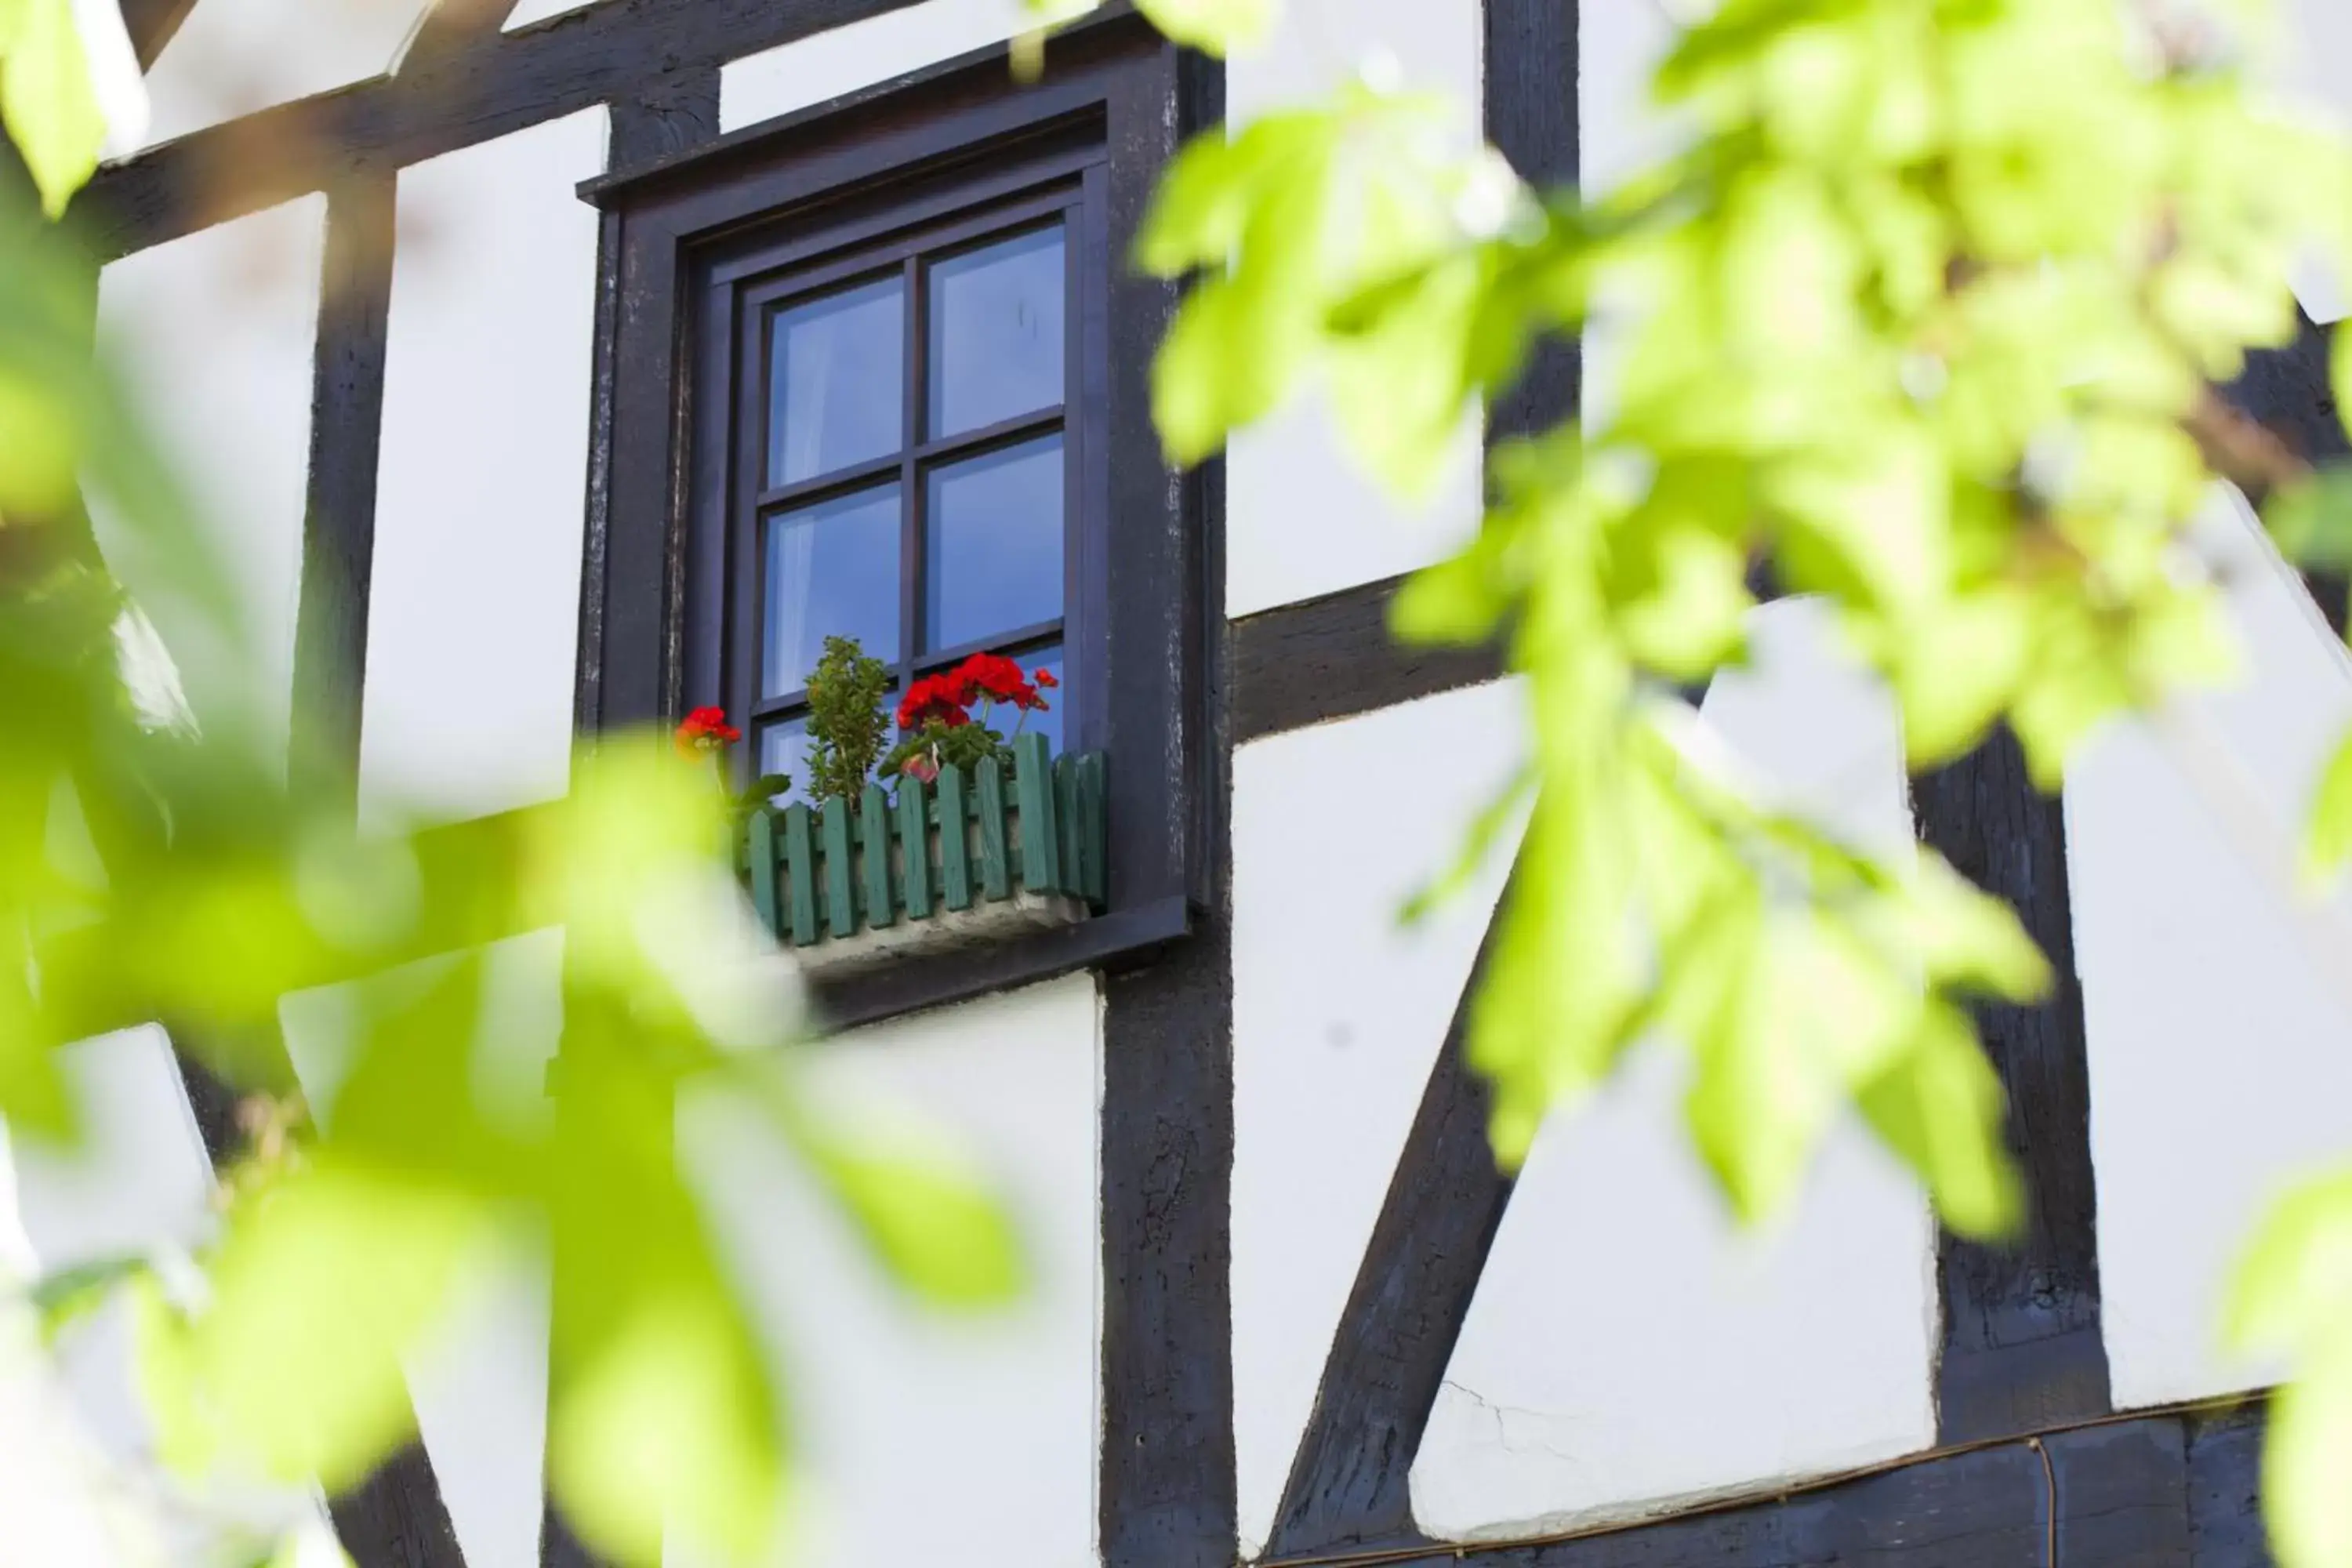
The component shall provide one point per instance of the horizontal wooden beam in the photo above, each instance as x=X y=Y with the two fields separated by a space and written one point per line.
x=482 y=84
x=1333 y=657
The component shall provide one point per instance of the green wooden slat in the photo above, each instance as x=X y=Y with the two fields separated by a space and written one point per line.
x=1066 y=803
x=1094 y=873
x=874 y=843
x=840 y=901
x=996 y=880
x=914 y=845
x=761 y=854
x=955 y=840
x=800 y=869
x=1040 y=831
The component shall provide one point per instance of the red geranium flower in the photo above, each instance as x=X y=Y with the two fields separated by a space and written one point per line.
x=939 y=697
x=706 y=729
x=996 y=674
x=1045 y=678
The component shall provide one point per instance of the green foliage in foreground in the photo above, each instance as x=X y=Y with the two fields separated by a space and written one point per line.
x=1922 y=316
x=149 y=871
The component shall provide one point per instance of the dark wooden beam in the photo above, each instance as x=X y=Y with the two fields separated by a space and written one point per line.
x=339 y=522
x=1167 y=1493
x=395 y=1519
x=1413 y=1291
x=1531 y=119
x=151 y=24
x=2225 y=1512
x=2022 y=1340
x=1332 y=658
x=485 y=85
x=559 y=1548
x=668 y=115
x=2119 y=1495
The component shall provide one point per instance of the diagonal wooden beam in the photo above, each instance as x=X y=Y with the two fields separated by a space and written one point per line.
x=1445 y=1201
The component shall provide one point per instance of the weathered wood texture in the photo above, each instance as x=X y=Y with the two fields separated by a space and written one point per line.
x=671 y=113
x=2225 y=1515
x=1413 y=1291
x=2121 y=1496
x=2160 y=1491
x=2021 y=1345
x=1167 y=1494
x=1332 y=658
x=1168 y=1497
x=395 y=1519
x=1530 y=115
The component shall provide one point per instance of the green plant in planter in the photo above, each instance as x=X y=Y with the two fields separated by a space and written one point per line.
x=940 y=728
x=847 y=722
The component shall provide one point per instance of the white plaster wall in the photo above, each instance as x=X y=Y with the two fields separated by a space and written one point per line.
x=473 y=624
x=1338 y=1010
x=1302 y=519
x=2316 y=67
x=825 y=65
x=530 y=13
x=1627 y=1345
x=930 y=1437
x=2221 y=1060
x=234 y=56
x=213 y=336
x=1618 y=132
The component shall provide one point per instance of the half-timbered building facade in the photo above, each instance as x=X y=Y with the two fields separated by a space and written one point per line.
x=549 y=367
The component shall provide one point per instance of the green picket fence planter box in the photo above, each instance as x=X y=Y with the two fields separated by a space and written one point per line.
x=970 y=858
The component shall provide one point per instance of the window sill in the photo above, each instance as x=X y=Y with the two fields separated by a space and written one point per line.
x=969 y=885
x=1112 y=940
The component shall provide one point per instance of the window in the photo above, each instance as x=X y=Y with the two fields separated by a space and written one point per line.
x=878 y=369
x=910 y=461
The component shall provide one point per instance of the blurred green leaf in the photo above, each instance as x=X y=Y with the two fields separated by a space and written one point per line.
x=2291 y=1297
x=47 y=99
x=2305 y=1455
x=1937 y=1106
x=2312 y=521
x=322 y=1281
x=929 y=1219
x=2328 y=836
x=64 y=1297
x=660 y=1430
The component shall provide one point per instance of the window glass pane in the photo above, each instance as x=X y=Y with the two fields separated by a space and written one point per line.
x=995 y=543
x=996 y=332
x=835 y=377
x=783 y=748
x=833 y=570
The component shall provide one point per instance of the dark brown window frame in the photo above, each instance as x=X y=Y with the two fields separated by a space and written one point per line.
x=962 y=135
